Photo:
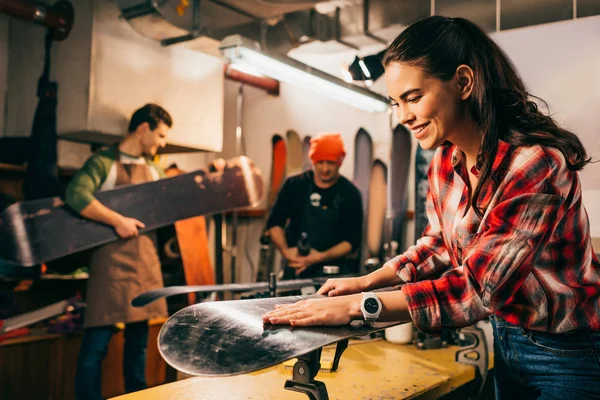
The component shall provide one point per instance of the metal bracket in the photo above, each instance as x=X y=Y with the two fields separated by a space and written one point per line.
x=303 y=378
x=338 y=31
x=272 y=285
x=306 y=369
x=341 y=346
x=367 y=33
x=476 y=355
x=196 y=28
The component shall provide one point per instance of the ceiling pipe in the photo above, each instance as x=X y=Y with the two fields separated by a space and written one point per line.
x=235 y=9
x=269 y=85
x=367 y=33
x=338 y=31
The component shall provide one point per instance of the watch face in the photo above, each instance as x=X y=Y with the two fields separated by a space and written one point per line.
x=371 y=305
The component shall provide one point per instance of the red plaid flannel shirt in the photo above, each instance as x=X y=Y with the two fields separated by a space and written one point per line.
x=529 y=260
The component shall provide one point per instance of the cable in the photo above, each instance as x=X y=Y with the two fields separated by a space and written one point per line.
x=247 y=252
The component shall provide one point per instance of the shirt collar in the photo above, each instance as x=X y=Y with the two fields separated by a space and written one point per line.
x=458 y=157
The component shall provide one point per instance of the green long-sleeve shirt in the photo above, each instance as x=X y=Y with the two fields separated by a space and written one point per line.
x=99 y=173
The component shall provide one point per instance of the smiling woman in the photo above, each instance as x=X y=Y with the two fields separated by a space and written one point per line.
x=428 y=106
x=508 y=236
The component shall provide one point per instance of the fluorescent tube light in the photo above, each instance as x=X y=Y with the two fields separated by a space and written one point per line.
x=244 y=53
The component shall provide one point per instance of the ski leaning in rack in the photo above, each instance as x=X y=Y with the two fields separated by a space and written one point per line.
x=422 y=162
x=192 y=241
x=278 y=168
x=306 y=163
x=295 y=154
x=363 y=162
x=400 y=165
x=376 y=211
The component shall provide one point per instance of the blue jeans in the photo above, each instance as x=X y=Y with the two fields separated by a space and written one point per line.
x=539 y=365
x=88 y=381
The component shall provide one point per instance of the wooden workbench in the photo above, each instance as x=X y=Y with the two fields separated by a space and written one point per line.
x=367 y=370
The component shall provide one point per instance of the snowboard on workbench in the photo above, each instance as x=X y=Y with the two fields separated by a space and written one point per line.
x=34 y=232
x=229 y=338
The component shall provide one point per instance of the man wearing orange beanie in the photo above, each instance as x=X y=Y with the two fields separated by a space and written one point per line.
x=323 y=208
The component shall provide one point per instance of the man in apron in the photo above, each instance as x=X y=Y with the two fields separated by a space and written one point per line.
x=324 y=208
x=124 y=269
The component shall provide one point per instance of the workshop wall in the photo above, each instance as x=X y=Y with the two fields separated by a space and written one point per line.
x=559 y=62
x=105 y=70
x=4 y=23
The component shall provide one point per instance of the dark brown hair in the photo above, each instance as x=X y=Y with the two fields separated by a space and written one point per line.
x=499 y=104
x=152 y=114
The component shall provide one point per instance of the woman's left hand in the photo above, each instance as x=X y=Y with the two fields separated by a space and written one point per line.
x=317 y=312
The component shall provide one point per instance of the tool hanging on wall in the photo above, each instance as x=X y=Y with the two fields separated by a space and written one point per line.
x=41 y=176
x=58 y=18
x=41 y=179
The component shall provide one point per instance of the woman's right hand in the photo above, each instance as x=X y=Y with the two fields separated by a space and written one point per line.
x=343 y=286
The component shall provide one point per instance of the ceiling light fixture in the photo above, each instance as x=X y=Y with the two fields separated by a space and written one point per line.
x=241 y=51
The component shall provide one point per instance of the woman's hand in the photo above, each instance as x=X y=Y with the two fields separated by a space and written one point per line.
x=341 y=286
x=317 y=312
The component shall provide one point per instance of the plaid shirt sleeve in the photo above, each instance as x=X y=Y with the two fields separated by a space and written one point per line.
x=429 y=257
x=527 y=207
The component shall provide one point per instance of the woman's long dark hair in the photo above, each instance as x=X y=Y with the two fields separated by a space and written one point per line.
x=499 y=104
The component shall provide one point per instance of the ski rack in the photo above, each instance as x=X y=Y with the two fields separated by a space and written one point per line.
x=306 y=369
x=18 y=322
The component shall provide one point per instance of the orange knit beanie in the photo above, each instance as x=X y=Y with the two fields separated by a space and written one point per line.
x=327 y=146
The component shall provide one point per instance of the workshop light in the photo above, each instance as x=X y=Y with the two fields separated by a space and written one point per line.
x=346 y=75
x=243 y=53
x=365 y=70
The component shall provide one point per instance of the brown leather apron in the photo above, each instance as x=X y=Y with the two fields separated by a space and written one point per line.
x=122 y=270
